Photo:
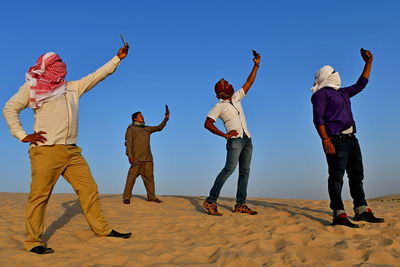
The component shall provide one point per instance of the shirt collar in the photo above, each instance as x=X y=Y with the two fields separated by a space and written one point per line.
x=225 y=100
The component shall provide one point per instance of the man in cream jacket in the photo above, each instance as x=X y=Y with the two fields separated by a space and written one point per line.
x=53 y=150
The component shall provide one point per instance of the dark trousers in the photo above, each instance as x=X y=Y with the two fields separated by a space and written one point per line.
x=347 y=158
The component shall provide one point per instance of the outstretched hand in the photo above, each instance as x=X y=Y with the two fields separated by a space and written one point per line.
x=123 y=51
x=366 y=56
x=257 y=59
x=249 y=82
x=34 y=138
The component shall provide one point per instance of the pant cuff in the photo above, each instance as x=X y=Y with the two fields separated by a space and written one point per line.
x=238 y=204
x=106 y=233
x=337 y=212
x=32 y=245
x=360 y=209
x=209 y=200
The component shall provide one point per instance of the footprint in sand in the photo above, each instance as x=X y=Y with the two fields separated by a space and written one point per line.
x=341 y=245
x=386 y=242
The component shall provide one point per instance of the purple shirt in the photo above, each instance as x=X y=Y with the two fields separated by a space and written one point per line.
x=332 y=108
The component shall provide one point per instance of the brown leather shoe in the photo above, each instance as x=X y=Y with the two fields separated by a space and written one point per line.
x=211 y=208
x=244 y=209
x=126 y=201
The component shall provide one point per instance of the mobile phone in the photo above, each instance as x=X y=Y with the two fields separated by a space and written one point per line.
x=166 y=109
x=364 y=53
x=123 y=40
x=255 y=54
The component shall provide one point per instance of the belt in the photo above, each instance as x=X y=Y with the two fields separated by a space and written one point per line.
x=343 y=136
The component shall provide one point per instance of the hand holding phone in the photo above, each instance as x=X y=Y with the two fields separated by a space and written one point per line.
x=123 y=51
x=366 y=55
x=166 y=110
x=255 y=54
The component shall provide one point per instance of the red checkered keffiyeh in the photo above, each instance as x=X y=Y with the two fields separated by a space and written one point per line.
x=46 y=78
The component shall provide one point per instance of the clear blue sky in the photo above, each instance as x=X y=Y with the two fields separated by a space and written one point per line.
x=179 y=49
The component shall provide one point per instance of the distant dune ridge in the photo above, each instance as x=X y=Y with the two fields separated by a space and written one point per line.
x=387 y=198
x=286 y=232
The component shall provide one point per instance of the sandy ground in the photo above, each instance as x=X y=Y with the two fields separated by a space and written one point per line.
x=178 y=232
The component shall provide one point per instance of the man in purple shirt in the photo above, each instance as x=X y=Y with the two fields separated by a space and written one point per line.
x=336 y=127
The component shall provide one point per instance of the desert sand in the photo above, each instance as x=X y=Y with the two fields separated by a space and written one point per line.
x=286 y=232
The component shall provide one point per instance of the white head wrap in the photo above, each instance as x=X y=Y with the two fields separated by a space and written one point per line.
x=326 y=77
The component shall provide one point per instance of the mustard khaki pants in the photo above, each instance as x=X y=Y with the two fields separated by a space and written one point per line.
x=48 y=163
x=145 y=169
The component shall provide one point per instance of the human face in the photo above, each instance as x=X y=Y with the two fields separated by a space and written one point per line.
x=139 y=118
x=224 y=89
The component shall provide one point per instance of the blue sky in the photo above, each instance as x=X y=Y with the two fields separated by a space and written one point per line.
x=179 y=49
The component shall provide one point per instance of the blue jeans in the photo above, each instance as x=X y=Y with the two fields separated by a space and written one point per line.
x=238 y=150
x=347 y=158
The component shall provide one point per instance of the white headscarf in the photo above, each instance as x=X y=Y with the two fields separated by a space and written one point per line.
x=326 y=77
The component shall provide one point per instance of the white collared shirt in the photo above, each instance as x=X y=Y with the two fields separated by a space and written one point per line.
x=231 y=113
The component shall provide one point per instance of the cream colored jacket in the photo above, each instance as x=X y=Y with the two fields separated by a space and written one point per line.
x=59 y=116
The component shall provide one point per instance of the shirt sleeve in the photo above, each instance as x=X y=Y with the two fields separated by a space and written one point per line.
x=319 y=105
x=357 y=87
x=214 y=112
x=88 y=82
x=12 y=109
x=239 y=95
x=161 y=126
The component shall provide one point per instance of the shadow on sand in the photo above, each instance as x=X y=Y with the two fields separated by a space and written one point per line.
x=72 y=208
x=291 y=209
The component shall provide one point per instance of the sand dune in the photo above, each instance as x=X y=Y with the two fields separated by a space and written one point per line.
x=177 y=232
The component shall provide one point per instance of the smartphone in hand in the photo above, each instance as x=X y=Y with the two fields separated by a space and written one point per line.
x=364 y=53
x=166 y=110
x=123 y=40
x=255 y=54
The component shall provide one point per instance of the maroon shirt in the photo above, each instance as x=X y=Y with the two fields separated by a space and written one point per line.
x=332 y=108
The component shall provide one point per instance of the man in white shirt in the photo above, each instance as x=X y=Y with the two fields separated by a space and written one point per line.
x=239 y=147
x=53 y=150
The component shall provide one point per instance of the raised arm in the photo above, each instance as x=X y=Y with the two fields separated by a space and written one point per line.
x=252 y=75
x=363 y=80
x=209 y=125
x=88 y=82
x=163 y=123
x=368 y=58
